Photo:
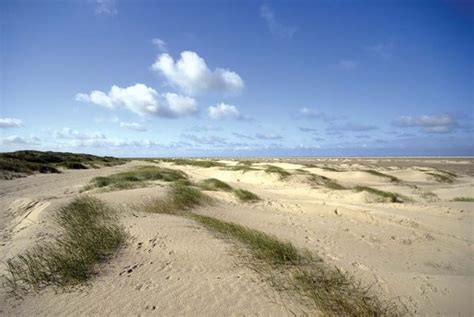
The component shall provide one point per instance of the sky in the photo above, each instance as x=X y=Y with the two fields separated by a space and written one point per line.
x=238 y=78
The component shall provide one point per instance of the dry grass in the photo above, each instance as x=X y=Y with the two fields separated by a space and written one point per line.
x=194 y=162
x=89 y=234
x=442 y=178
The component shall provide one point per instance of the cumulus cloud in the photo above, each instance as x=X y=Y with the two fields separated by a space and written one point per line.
x=68 y=133
x=264 y=136
x=223 y=111
x=142 y=100
x=10 y=123
x=429 y=124
x=160 y=44
x=132 y=126
x=105 y=7
x=347 y=64
x=191 y=74
x=275 y=27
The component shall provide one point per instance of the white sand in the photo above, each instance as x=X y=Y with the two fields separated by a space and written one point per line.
x=418 y=253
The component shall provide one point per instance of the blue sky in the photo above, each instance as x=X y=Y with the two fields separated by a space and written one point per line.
x=237 y=78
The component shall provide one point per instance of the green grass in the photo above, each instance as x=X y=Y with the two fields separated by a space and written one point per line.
x=392 y=197
x=194 y=162
x=215 y=185
x=136 y=178
x=245 y=162
x=277 y=170
x=89 y=234
x=22 y=163
x=465 y=199
x=304 y=274
x=245 y=195
x=244 y=168
x=180 y=199
x=320 y=180
x=442 y=178
x=393 y=179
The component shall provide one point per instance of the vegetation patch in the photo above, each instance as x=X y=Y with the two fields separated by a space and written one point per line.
x=245 y=195
x=137 y=178
x=22 y=163
x=244 y=168
x=277 y=170
x=392 y=197
x=328 y=168
x=90 y=234
x=195 y=162
x=465 y=199
x=302 y=273
x=215 y=185
x=320 y=180
x=442 y=178
x=390 y=177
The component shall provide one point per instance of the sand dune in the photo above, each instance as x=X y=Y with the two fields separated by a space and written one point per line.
x=417 y=253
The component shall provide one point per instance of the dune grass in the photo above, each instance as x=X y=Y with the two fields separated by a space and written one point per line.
x=286 y=267
x=442 y=178
x=244 y=168
x=465 y=199
x=137 y=177
x=392 y=197
x=320 y=180
x=89 y=234
x=328 y=168
x=245 y=195
x=245 y=162
x=393 y=179
x=194 y=162
x=214 y=184
x=277 y=170
x=23 y=163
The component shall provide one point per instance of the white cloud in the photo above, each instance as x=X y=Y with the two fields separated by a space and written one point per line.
x=191 y=74
x=264 y=136
x=180 y=105
x=382 y=50
x=223 y=111
x=310 y=113
x=347 y=64
x=276 y=28
x=10 y=123
x=142 y=100
x=160 y=44
x=132 y=126
x=17 y=140
x=68 y=133
x=430 y=124
x=106 y=7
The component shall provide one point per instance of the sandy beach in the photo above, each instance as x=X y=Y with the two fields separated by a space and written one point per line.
x=417 y=252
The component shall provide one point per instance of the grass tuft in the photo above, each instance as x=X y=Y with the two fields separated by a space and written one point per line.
x=245 y=195
x=181 y=198
x=90 y=233
x=215 y=185
x=465 y=199
x=320 y=180
x=442 y=178
x=392 y=197
x=137 y=178
x=195 y=162
x=277 y=170
x=244 y=168
x=393 y=179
